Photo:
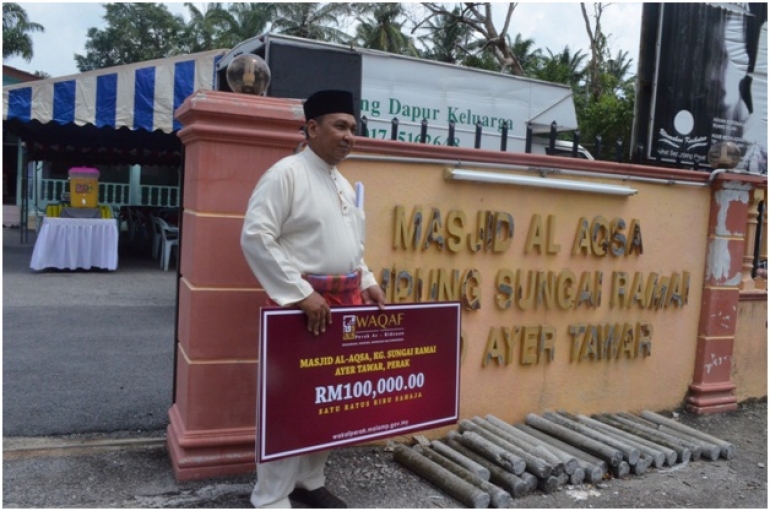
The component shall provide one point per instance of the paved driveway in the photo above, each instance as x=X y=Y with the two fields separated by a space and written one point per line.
x=85 y=351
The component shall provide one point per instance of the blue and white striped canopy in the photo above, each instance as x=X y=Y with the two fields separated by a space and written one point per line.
x=141 y=96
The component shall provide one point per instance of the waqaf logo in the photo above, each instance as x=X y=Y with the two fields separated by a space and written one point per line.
x=348 y=328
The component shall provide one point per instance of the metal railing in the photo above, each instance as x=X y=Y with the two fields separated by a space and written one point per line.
x=111 y=194
x=163 y=196
x=554 y=144
x=114 y=194
x=452 y=140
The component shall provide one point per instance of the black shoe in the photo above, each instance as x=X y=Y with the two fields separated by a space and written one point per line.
x=320 y=498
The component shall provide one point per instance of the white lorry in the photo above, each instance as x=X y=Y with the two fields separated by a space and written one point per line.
x=388 y=86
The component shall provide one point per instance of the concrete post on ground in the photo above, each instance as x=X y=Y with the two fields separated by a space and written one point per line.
x=230 y=140
x=712 y=390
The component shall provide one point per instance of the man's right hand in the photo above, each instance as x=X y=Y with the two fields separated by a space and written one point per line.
x=317 y=311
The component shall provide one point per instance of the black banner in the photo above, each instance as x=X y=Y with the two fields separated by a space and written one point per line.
x=711 y=82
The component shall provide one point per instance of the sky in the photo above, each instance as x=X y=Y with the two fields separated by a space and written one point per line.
x=551 y=25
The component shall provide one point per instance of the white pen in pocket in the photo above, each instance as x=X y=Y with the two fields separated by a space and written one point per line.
x=359 y=195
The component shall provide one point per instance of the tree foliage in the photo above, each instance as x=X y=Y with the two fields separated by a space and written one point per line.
x=241 y=21
x=447 y=38
x=313 y=20
x=610 y=117
x=382 y=28
x=16 y=29
x=134 y=32
x=478 y=16
x=203 y=30
x=564 y=67
x=224 y=26
x=605 y=103
x=526 y=53
x=464 y=33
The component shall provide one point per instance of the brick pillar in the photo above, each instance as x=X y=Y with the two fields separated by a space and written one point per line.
x=711 y=390
x=230 y=140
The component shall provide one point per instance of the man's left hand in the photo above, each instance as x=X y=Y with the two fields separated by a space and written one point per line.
x=372 y=295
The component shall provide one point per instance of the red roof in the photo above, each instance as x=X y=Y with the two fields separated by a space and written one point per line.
x=18 y=74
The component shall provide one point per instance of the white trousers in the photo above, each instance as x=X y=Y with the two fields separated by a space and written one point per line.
x=277 y=479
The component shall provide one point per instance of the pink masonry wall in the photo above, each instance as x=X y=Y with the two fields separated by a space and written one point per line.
x=231 y=139
x=712 y=389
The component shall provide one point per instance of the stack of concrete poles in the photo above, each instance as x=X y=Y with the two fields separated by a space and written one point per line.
x=487 y=462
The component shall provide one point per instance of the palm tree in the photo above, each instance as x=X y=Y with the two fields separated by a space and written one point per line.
x=312 y=20
x=16 y=28
x=520 y=48
x=478 y=16
x=523 y=50
x=204 y=28
x=384 y=32
x=484 y=60
x=620 y=66
x=447 y=37
x=564 y=67
x=243 y=21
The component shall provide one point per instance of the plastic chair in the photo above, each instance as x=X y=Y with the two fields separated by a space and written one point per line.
x=139 y=226
x=157 y=236
x=169 y=240
x=134 y=223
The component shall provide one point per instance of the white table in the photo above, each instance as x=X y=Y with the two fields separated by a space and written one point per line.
x=71 y=243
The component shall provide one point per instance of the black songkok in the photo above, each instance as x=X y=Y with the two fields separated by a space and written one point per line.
x=328 y=102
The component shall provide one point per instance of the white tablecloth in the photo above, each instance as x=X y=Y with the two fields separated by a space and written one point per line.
x=76 y=243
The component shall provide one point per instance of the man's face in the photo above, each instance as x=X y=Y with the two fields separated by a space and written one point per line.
x=332 y=136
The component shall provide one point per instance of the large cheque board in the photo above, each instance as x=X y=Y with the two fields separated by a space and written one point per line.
x=373 y=374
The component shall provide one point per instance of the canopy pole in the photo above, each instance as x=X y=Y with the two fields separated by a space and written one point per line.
x=180 y=216
x=21 y=164
x=135 y=185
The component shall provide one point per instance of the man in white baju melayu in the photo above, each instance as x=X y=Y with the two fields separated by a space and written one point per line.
x=303 y=238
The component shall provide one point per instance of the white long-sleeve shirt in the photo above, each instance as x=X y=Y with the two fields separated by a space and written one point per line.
x=302 y=218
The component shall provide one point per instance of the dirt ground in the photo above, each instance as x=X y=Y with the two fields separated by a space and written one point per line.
x=368 y=477
x=371 y=478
